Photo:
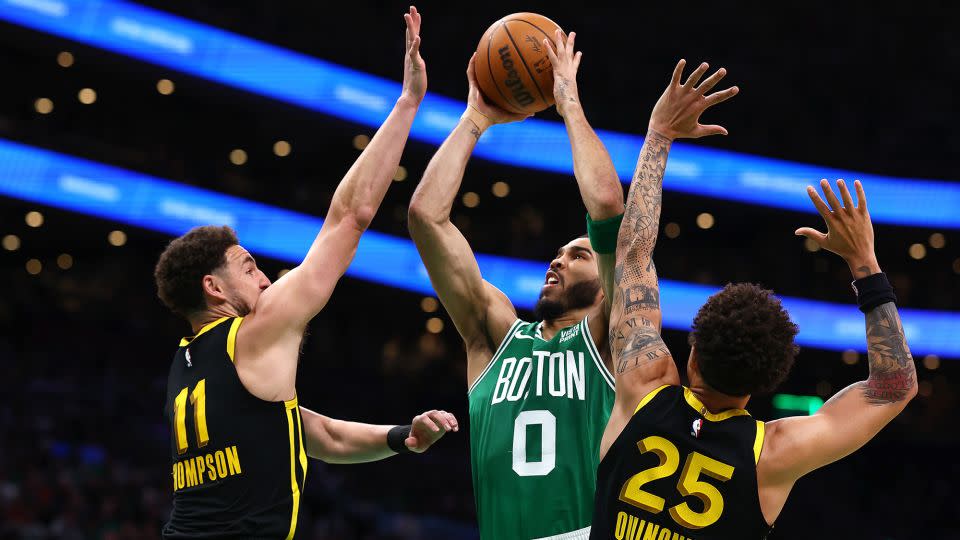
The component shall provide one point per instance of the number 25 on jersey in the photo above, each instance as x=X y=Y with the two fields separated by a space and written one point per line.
x=689 y=484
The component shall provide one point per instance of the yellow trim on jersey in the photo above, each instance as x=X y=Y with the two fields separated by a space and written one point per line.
x=646 y=399
x=694 y=402
x=206 y=328
x=232 y=338
x=758 y=443
x=303 y=451
x=294 y=486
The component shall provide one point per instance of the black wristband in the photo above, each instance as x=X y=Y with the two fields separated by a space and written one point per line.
x=873 y=291
x=396 y=438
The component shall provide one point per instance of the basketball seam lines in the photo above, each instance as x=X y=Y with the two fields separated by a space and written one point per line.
x=490 y=69
x=544 y=35
x=524 y=62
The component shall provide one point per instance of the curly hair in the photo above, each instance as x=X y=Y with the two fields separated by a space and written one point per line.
x=744 y=340
x=185 y=261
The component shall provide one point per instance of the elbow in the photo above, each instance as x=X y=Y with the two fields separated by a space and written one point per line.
x=419 y=215
x=416 y=213
x=361 y=218
x=609 y=203
x=609 y=206
x=358 y=218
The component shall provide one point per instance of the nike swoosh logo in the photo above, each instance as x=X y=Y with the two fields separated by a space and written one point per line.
x=518 y=335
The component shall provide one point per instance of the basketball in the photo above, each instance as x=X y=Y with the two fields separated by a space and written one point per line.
x=513 y=70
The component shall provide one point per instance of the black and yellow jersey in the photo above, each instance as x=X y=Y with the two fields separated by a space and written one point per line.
x=679 y=472
x=239 y=463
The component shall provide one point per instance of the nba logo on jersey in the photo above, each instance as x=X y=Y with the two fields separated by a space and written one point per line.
x=695 y=430
x=189 y=363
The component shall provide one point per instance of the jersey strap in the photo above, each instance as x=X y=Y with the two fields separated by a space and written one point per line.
x=209 y=326
x=646 y=399
x=232 y=338
x=597 y=359
x=758 y=442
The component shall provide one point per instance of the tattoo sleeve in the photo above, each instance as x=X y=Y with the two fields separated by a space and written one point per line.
x=634 y=335
x=892 y=371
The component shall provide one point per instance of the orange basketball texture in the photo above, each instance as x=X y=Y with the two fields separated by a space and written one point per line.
x=512 y=68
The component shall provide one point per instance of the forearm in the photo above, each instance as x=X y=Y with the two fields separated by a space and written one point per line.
x=363 y=187
x=893 y=375
x=641 y=220
x=433 y=199
x=338 y=441
x=596 y=175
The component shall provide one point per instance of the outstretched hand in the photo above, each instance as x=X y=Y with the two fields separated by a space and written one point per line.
x=677 y=113
x=849 y=229
x=428 y=428
x=414 y=69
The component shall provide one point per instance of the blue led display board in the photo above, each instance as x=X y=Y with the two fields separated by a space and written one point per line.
x=108 y=192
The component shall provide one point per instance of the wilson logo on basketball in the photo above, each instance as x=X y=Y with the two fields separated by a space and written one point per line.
x=512 y=80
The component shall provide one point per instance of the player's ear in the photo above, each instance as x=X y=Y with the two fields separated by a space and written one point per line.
x=213 y=286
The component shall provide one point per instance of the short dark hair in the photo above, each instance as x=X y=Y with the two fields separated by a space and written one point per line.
x=744 y=340
x=185 y=261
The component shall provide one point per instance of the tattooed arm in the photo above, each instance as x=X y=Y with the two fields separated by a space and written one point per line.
x=640 y=357
x=798 y=445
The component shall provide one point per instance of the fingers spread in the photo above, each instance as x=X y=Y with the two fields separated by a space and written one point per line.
x=721 y=96
x=711 y=81
x=695 y=76
x=845 y=194
x=677 y=73
x=830 y=195
x=812 y=234
x=818 y=202
x=713 y=129
x=861 y=196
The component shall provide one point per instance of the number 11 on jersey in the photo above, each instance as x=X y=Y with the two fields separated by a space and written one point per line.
x=198 y=398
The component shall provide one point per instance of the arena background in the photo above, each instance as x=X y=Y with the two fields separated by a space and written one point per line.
x=85 y=345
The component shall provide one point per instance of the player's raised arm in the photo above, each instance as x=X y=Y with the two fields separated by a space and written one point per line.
x=641 y=360
x=798 y=445
x=284 y=309
x=339 y=441
x=481 y=313
x=596 y=176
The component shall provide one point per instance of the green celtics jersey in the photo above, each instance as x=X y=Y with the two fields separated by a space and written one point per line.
x=537 y=413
